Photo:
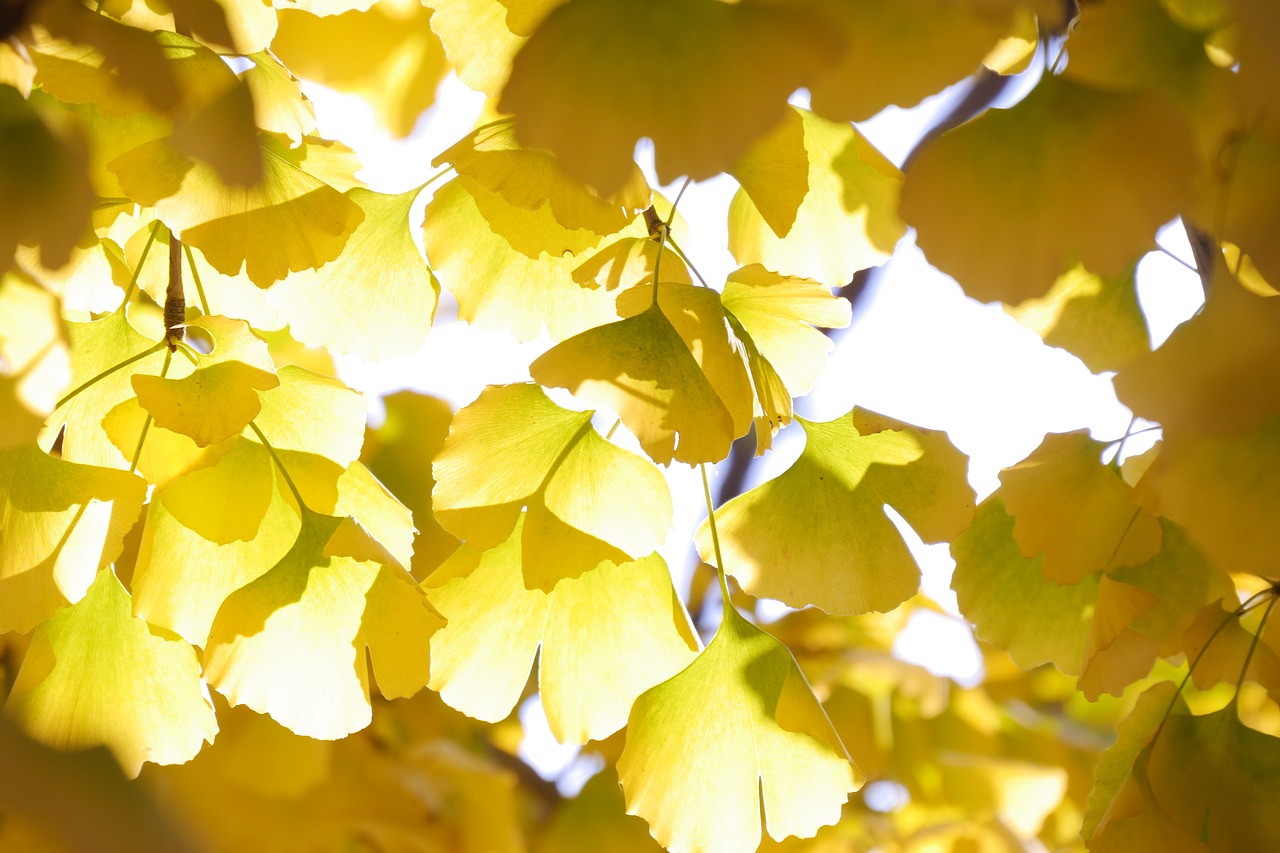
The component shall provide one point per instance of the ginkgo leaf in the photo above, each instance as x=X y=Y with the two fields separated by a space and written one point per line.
x=385 y=52
x=1094 y=318
x=1069 y=174
x=1076 y=513
x=509 y=267
x=96 y=675
x=292 y=643
x=631 y=261
x=279 y=105
x=774 y=172
x=531 y=178
x=60 y=522
x=588 y=500
x=477 y=41
x=290 y=221
x=91 y=282
x=818 y=533
x=1213 y=373
x=202 y=18
x=105 y=354
x=735 y=734
x=774 y=317
x=901 y=52
x=311 y=413
x=46 y=198
x=641 y=368
x=377 y=299
x=600 y=58
x=1014 y=52
x=1116 y=655
x=596 y=819
x=34 y=363
x=1219 y=644
x=220 y=396
x=1011 y=604
x=848 y=220
x=480 y=660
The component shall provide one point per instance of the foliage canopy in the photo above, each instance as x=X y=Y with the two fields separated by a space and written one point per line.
x=292 y=631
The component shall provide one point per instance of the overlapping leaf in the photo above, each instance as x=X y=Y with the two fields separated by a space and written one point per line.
x=818 y=534
x=588 y=500
x=34 y=365
x=481 y=659
x=736 y=737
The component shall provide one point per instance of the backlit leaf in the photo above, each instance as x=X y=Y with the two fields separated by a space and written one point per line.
x=311 y=413
x=34 y=365
x=737 y=733
x=279 y=106
x=481 y=659
x=97 y=675
x=818 y=533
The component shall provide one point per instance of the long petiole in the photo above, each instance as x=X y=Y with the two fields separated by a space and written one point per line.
x=195 y=277
x=297 y=495
x=146 y=425
x=664 y=234
x=675 y=247
x=715 y=537
x=110 y=370
x=1248 y=658
x=133 y=282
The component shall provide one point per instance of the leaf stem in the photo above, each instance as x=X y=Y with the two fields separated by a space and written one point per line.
x=195 y=276
x=612 y=429
x=133 y=282
x=1128 y=431
x=110 y=370
x=146 y=425
x=715 y=537
x=1248 y=658
x=664 y=233
x=297 y=495
x=675 y=247
x=1182 y=261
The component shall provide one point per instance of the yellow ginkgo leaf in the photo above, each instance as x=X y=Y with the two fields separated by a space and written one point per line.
x=901 y=51
x=311 y=413
x=1069 y=174
x=34 y=363
x=1214 y=372
x=628 y=262
x=1006 y=597
x=91 y=282
x=1076 y=513
x=530 y=178
x=60 y=522
x=477 y=40
x=105 y=354
x=204 y=19
x=510 y=267
x=1116 y=655
x=818 y=533
x=162 y=454
x=46 y=197
x=220 y=396
x=480 y=661
x=377 y=299
x=737 y=733
x=588 y=500
x=290 y=221
x=1094 y=318
x=601 y=58
x=596 y=819
x=279 y=105
x=774 y=172
x=385 y=52
x=641 y=368
x=293 y=643
x=847 y=221
x=97 y=675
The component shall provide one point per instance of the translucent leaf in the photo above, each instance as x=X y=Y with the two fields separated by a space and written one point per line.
x=1011 y=605
x=628 y=262
x=901 y=51
x=377 y=299
x=588 y=500
x=818 y=533
x=596 y=819
x=1075 y=512
x=292 y=643
x=202 y=18
x=219 y=398
x=34 y=364
x=96 y=675
x=60 y=522
x=1214 y=372
x=531 y=178
x=289 y=222
x=1115 y=654
x=509 y=267
x=46 y=197
x=847 y=221
x=311 y=413
x=481 y=659
x=91 y=282
x=737 y=733
x=642 y=368
x=1094 y=318
x=601 y=58
x=1067 y=175
x=279 y=105
x=477 y=41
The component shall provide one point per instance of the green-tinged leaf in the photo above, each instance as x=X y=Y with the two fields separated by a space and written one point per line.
x=1076 y=513
x=1006 y=597
x=588 y=500
x=377 y=299
x=610 y=59
x=848 y=220
x=737 y=733
x=96 y=675
x=481 y=659
x=1094 y=318
x=818 y=533
x=311 y=413
x=60 y=523
x=1068 y=175
x=219 y=398
x=292 y=643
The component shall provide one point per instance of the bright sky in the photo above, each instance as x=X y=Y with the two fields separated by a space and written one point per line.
x=918 y=350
